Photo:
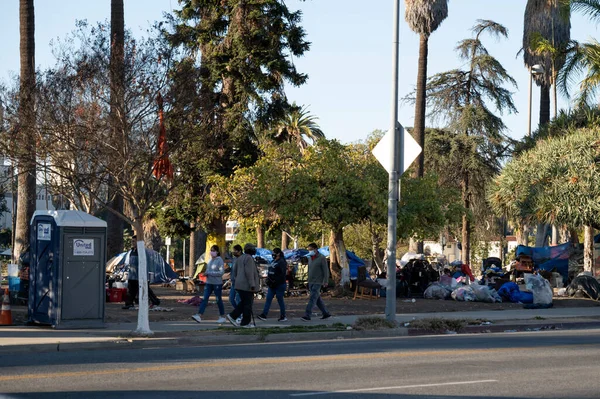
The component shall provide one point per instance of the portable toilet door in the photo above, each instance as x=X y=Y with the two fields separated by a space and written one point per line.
x=43 y=283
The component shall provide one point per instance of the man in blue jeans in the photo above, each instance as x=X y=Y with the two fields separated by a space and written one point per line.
x=318 y=276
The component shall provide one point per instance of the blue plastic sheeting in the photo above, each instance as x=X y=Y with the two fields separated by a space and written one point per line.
x=354 y=261
x=549 y=258
x=264 y=253
x=510 y=291
x=294 y=255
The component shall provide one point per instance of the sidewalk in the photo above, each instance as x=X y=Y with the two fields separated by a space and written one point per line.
x=119 y=335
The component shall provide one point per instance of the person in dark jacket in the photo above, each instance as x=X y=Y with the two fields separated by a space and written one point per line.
x=318 y=276
x=277 y=285
x=246 y=284
x=133 y=287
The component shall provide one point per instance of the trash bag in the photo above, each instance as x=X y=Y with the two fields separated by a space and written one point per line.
x=510 y=292
x=437 y=291
x=485 y=294
x=525 y=297
x=540 y=287
x=586 y=285
x=464 y=293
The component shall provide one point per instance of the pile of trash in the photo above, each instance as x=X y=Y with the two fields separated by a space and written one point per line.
x=462 y=292
x=584 y=285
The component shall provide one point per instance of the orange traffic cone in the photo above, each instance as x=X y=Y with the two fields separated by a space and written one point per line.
x=6 y=314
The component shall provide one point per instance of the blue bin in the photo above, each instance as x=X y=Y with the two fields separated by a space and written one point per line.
x=14 y=284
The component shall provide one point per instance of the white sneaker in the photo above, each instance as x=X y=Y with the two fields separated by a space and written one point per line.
x=221 y=320
x=238 y=320
x=197 y=318
x=249 y=325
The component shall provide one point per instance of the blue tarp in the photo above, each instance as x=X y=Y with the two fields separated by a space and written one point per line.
x=353 y=260
x=549 y=258
x=264 y=253
x=294 y=255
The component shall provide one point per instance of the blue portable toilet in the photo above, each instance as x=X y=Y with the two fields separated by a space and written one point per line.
x=67 y=276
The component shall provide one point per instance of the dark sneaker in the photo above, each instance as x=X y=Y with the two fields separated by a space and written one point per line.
x=232 y=320
x=325 y=316
x=305 y=318
x=128 y=307
x=262 y=317
x=282 y=318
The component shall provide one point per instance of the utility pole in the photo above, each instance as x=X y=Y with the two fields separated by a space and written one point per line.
x=394 y=176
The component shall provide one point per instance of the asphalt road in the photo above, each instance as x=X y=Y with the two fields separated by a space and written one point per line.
x=553 y=364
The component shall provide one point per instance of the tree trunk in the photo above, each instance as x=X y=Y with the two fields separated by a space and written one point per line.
x=193 y=254
x=152 y=238
x=377 y=254
x=541 y=235
x=420 y=103
x=588 y=248
x=554 y=235
x=143 y=325
x=574 y=236
x=114 y=224
x=522 y=234
x=338 y=260
x=564 y=234
x=284 y=240
x=260 y=236
x=466 y=223
x=26 y=145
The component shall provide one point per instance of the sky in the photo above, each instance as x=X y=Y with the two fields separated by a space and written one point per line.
x=350 y=61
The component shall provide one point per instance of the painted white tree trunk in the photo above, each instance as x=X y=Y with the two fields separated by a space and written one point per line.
x=143 y=326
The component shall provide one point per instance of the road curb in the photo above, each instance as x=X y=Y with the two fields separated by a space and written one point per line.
x=203 y=338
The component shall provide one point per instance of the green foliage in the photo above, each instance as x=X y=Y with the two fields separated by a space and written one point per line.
x=555 y=182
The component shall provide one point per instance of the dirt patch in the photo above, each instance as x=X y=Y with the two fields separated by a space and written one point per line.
x=295 y=307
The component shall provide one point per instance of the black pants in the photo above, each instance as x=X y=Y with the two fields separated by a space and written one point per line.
x=133 y=288
x=244 y=307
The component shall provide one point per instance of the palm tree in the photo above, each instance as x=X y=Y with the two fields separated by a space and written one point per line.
x=582 y=58
x=26 y=147
x=547 y=20
x=299 y=126
x=423 y=17
x=114 y=242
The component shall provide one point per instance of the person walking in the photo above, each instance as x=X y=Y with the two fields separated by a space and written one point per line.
x=246 y=284
x=276 y=282
x=318 y=276
x=214 y=284
x=234 y=297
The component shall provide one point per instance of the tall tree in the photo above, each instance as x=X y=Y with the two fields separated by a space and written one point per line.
x=462 y=97
x=423 y=17
x=115 y=224
x=25 y=143
x=246 y=56
x=548 y=21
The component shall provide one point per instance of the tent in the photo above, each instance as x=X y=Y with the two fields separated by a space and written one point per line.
x=155 y=263
x=354 y=261
x=549 y=258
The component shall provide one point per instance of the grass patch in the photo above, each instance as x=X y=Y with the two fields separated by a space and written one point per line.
x=439 y=324
x=264 y=331
x=372 y=323
x=539 y=318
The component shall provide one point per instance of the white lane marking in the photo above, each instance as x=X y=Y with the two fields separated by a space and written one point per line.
x=390 y=388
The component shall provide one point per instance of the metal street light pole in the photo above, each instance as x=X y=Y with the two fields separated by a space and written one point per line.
x=393 y=183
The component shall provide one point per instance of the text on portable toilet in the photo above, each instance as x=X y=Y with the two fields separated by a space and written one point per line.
x=83 y=247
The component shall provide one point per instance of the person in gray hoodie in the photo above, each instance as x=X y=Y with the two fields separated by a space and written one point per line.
x=246 y=284
x=214 y=284
x=318 y=276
